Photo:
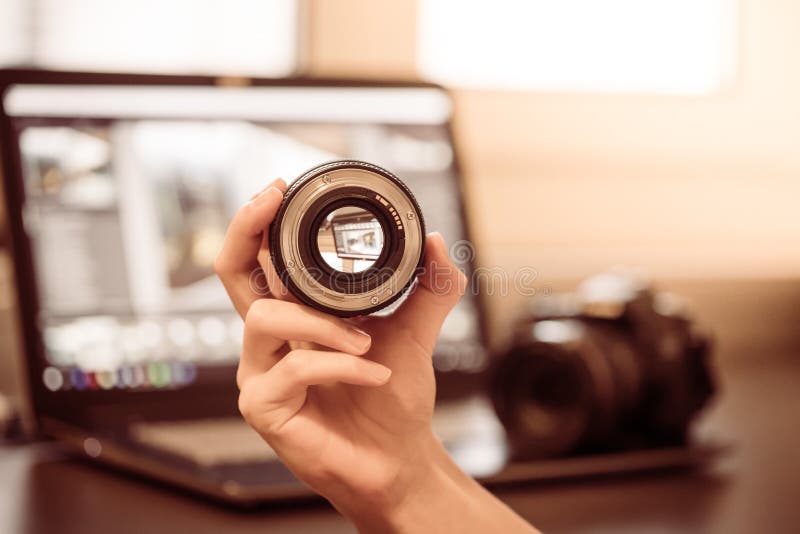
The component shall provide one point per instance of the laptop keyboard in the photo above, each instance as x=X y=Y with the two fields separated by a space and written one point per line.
x=207 y=442
x=230 y=441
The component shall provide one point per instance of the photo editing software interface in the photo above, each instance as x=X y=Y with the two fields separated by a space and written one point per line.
x=129 y=191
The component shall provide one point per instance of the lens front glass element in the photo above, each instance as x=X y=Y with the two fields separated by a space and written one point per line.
x=350 y=239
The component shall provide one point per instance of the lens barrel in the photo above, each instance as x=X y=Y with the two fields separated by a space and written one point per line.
x=555 y=398
x=348 y=238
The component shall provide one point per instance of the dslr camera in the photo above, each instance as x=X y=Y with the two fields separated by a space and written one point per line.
x=615 y=366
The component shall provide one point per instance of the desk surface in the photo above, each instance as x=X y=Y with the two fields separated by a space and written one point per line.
x=755 y=488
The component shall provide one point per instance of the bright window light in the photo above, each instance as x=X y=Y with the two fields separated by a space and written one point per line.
x=14 y=31
x=629 y=46
x=229 y=37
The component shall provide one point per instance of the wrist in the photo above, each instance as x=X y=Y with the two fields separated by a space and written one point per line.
x=425 y=480
x=429 y=494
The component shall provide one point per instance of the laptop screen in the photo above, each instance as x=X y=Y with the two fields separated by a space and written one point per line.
x=129 y=190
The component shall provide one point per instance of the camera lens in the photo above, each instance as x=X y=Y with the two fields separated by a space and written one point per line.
x=348 y=238
x=556 y=396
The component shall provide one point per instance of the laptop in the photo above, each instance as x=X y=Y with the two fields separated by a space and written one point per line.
x=119 y=189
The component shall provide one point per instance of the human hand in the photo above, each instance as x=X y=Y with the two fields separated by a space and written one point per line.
x=346 y=407
x=347 y=404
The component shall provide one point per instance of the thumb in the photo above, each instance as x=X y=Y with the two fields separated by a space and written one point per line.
x=440 y=287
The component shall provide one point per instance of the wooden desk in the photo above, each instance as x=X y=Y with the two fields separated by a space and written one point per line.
x=753 y=489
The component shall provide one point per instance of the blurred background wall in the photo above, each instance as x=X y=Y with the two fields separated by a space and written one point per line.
x=687 y=186
x=700 y=190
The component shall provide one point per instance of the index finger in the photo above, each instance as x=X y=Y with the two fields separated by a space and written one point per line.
x=238 y=259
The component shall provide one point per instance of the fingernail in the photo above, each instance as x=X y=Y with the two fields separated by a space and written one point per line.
x=436 y=236
x=266 y=194
x=380 y=373
x=256 y=195
x=361 y=339
x=273 y=183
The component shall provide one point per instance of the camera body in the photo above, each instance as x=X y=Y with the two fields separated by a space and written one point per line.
x=614 y=366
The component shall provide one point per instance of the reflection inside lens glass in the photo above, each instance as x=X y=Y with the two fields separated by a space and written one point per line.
x=350 y=239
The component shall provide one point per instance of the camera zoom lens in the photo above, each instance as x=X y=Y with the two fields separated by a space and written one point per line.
x=558 y=397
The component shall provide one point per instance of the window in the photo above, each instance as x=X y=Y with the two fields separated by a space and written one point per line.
x=247 y=37
x=629 y=46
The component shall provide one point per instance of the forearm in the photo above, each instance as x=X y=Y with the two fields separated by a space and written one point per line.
x=439 y=498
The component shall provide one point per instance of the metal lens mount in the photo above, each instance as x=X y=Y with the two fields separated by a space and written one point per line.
x=348 y=238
